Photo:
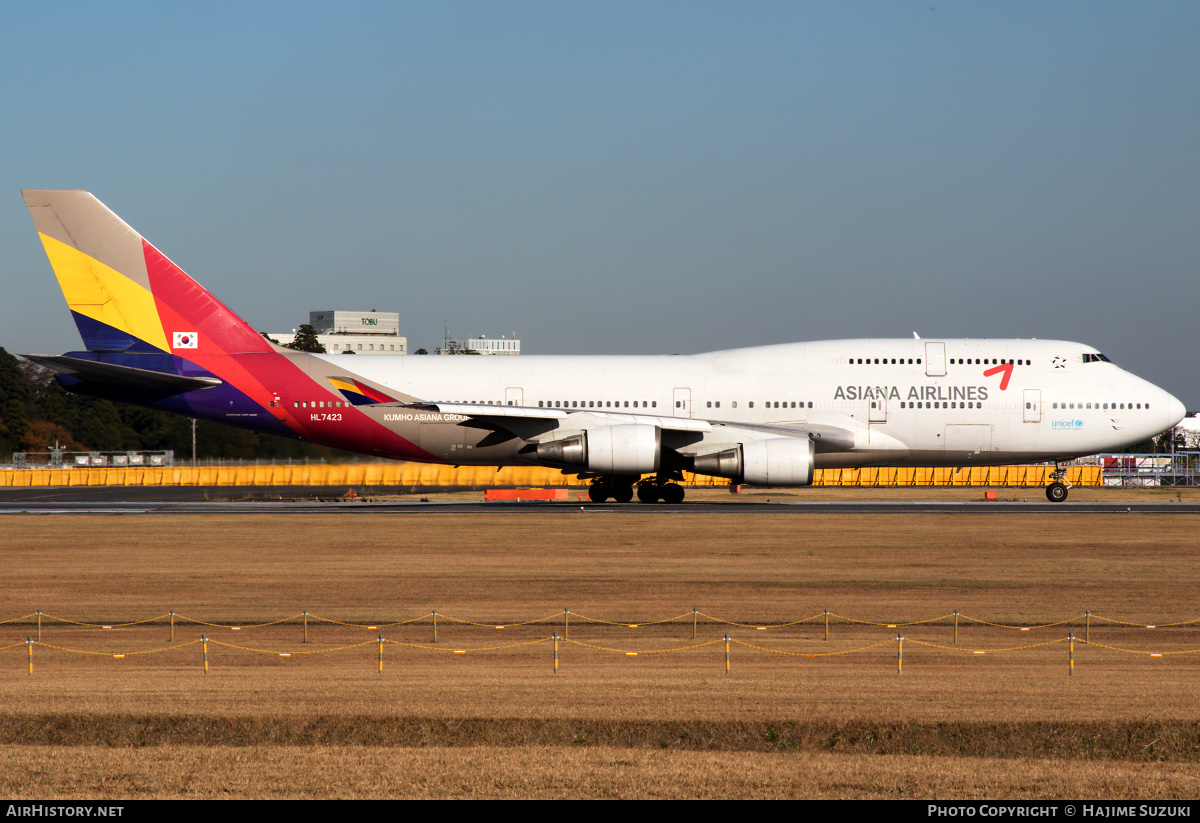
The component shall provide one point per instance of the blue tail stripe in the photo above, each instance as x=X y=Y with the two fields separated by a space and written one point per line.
x=99 y=336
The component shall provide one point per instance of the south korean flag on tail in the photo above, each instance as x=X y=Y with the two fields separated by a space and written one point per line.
x=184 y=340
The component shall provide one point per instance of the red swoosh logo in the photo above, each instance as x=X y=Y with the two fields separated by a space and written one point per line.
x=1006 y=369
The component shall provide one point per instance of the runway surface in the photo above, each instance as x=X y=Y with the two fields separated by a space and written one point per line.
x=191 y=500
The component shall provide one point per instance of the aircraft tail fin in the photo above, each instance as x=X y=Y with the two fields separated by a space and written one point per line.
x=124 y=294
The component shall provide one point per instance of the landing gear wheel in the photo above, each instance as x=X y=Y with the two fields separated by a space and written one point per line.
x=1056 y=492
x=648 y=493
x=598 y=493
x=672 y=493
x=622 y=494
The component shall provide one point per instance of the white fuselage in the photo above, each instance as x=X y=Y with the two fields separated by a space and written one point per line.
x=903 y=402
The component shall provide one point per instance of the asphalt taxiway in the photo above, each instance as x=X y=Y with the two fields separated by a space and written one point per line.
x=292 y=500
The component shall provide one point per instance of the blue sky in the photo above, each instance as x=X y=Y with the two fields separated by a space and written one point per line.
x=631 y=177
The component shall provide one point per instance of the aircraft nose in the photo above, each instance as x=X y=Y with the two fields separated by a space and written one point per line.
x=1175 y=411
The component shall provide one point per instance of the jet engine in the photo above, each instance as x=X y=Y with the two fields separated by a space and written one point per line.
x=627 y=449
x=776 y=461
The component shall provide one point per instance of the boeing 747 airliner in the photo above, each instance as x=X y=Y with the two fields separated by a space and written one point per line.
x=765 y=416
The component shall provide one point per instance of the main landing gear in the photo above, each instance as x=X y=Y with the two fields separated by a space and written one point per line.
x=621 y=490
x=1056 y=492
x=651 y=491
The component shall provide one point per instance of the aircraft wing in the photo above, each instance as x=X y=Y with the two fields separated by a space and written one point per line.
x=528 y=422
x=514 y=413
x=826 y=437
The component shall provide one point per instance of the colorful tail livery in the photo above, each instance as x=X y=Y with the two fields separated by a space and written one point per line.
x=154 y=337
x=769 y=415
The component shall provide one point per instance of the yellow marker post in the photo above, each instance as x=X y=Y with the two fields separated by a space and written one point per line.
x=899 y=654
x=435 y=627
x=1087 y=626
x=554 y=637
x=305 y=626
x=1071 y=654
x=694 y=612
x=39 y=616
x=381 y=654
x=827 y=624
x=726 y=654
x=171 y=639
x=204 y=651
x=29 y=643
x=956 y=627
x=566 y=623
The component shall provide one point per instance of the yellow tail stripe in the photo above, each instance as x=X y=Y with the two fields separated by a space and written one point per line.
x=104 y=294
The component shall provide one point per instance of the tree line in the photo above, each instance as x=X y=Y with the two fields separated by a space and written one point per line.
x=37 y=414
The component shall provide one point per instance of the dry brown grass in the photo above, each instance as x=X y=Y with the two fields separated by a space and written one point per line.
x=500 y=724
x=546 y=772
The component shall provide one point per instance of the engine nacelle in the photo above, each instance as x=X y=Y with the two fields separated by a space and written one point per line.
x=627 y=449
x=777 y=461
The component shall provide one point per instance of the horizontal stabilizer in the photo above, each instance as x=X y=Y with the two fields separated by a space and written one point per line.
x=91 y=371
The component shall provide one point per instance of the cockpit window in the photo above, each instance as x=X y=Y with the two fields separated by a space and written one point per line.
x=1095 y=358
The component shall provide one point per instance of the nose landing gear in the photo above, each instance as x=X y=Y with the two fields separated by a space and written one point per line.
x=1056 y=492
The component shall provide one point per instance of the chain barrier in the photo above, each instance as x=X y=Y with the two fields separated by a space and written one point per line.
x=556 y=616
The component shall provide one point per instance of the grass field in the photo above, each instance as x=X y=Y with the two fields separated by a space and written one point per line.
x=497 y=722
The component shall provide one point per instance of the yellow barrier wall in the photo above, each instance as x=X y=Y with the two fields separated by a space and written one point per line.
x=421 y=474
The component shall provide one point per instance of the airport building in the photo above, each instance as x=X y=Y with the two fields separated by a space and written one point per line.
x=481 y=345
x=360 y=332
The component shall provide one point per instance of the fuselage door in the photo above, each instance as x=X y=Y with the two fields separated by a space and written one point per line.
x=683 y=403
x=514 y=396
x=878 y=411
x=935 y=359
x=1033 y=405
x=278 y=403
